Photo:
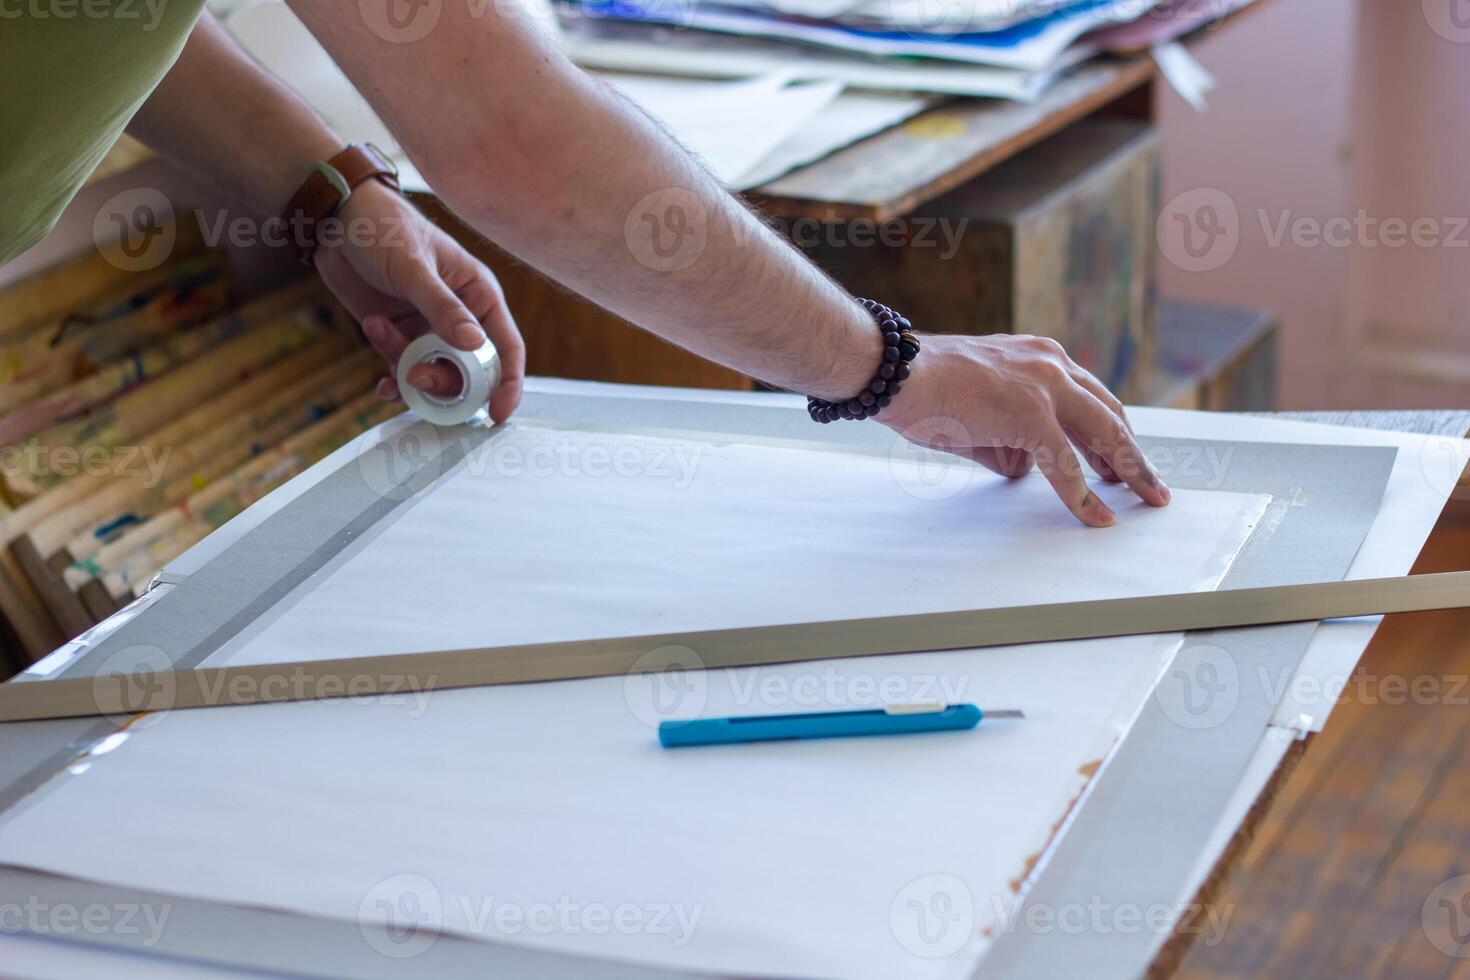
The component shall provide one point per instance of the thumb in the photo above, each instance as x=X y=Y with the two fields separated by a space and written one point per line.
x=444 y=311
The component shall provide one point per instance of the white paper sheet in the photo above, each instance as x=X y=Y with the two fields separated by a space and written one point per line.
x=1424 y=474
x=701 y=54
x=730 y=126
x=1034 y=47
x=1185 y=75
x=272 y=35
x=970 y=15
x=852 y=116
x=548 y=534
x=547 y=815
x=789 y=859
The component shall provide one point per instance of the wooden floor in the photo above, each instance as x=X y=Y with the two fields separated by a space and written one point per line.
x=1374 y=822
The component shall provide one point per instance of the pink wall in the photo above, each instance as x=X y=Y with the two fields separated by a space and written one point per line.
x=1409 y=301
x=1325 y=109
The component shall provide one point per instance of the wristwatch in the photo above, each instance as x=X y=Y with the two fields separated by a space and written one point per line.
x=328 y=188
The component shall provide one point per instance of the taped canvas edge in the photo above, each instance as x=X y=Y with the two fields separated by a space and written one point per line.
x=1356 y=465
x=303 y=536
x=1156 y=805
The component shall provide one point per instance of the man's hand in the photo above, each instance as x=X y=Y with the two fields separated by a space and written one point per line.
x=400 y=276
x=222 y=115
x=1009 y=401
x=736 y=293
x=741 y=297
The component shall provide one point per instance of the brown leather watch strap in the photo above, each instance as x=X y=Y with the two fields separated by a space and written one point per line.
x=328 y=187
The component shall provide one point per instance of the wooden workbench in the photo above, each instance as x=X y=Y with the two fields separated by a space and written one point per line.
x=1330 y=872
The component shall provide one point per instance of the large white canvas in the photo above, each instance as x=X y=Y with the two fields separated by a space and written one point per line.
x=546 y=534
x=546 y=814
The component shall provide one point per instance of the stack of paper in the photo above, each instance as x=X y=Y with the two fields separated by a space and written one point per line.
x=747 y=131
x=1012 y=49
x=904 y=29
x=1020 y=45
x=756 y=88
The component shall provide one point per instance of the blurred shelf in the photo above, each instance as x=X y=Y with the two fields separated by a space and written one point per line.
x=1214 y=358
x=893 y=172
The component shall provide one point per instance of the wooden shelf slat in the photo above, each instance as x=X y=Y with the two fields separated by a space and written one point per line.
x=893 y=172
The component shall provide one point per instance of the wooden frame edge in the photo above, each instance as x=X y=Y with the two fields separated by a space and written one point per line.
x=150 y=684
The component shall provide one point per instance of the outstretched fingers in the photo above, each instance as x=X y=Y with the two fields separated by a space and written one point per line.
x=1104 y=434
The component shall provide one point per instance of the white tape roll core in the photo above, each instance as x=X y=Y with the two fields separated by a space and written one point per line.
x=479 y=369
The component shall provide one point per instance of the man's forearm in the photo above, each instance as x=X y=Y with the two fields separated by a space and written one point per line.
x=558 y=169
x=571 y=178
x=233 y=124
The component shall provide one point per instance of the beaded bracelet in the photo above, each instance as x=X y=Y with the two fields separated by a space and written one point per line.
x=900 y=346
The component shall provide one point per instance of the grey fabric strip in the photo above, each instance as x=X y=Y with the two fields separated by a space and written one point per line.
x=1154 y=807
x=205 y=611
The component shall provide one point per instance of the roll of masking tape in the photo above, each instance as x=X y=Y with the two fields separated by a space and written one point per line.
x=479 y=370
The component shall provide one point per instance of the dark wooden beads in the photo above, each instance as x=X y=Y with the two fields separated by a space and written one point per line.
x=900 y=346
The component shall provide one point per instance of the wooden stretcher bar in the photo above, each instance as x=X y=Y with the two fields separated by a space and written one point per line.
x=117 y=694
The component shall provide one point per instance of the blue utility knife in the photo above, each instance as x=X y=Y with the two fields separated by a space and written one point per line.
x=894 y=720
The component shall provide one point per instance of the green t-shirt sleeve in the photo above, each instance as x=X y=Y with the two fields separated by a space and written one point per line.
x=72 y=75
